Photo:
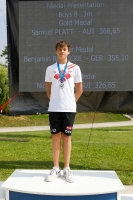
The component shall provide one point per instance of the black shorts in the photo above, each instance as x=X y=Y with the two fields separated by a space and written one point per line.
x=61 y=122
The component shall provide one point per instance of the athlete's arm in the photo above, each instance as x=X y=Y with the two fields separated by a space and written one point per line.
x=78 y=90
x=48 y=89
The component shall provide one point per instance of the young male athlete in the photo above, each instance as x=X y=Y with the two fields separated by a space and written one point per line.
x=63 y=88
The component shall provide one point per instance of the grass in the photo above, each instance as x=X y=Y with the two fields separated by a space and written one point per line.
x=42 y=119
x=107 y=149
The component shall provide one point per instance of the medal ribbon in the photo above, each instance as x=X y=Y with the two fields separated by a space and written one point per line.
x=62 y=74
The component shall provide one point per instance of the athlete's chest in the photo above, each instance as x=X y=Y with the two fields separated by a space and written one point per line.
x=64 y=74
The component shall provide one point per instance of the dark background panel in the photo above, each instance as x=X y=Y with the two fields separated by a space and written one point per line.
x=33 y=102
x=98 y=34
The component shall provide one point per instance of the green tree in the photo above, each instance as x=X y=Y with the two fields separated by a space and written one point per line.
x=4 y=88
x=5 y=54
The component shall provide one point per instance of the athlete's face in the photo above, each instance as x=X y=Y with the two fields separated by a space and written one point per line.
x=62 y=53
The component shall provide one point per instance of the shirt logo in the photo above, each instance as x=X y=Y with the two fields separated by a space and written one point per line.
x=66 y=76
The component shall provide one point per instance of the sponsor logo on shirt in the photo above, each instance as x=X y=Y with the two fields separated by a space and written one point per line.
x=67 y=75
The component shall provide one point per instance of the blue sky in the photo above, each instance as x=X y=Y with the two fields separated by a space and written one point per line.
x=3 y=30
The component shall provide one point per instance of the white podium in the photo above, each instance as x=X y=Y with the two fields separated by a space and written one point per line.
x=88 y=185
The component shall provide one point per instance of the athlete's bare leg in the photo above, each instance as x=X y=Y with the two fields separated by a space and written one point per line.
x=66 y=149
x=56 y=139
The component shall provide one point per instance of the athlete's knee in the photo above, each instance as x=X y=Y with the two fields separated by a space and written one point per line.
x=65 y=137
x=56 y=136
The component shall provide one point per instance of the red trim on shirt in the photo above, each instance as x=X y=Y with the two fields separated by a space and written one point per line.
x=71 y=66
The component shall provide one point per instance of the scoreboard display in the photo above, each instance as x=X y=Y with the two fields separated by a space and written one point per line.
x=100 y=33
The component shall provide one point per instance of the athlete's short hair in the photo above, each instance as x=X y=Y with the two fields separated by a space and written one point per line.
x=62 y=43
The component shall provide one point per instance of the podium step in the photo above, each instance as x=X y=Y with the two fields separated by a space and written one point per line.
x=126 y=197
x=88 y=185
x=2 y=192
